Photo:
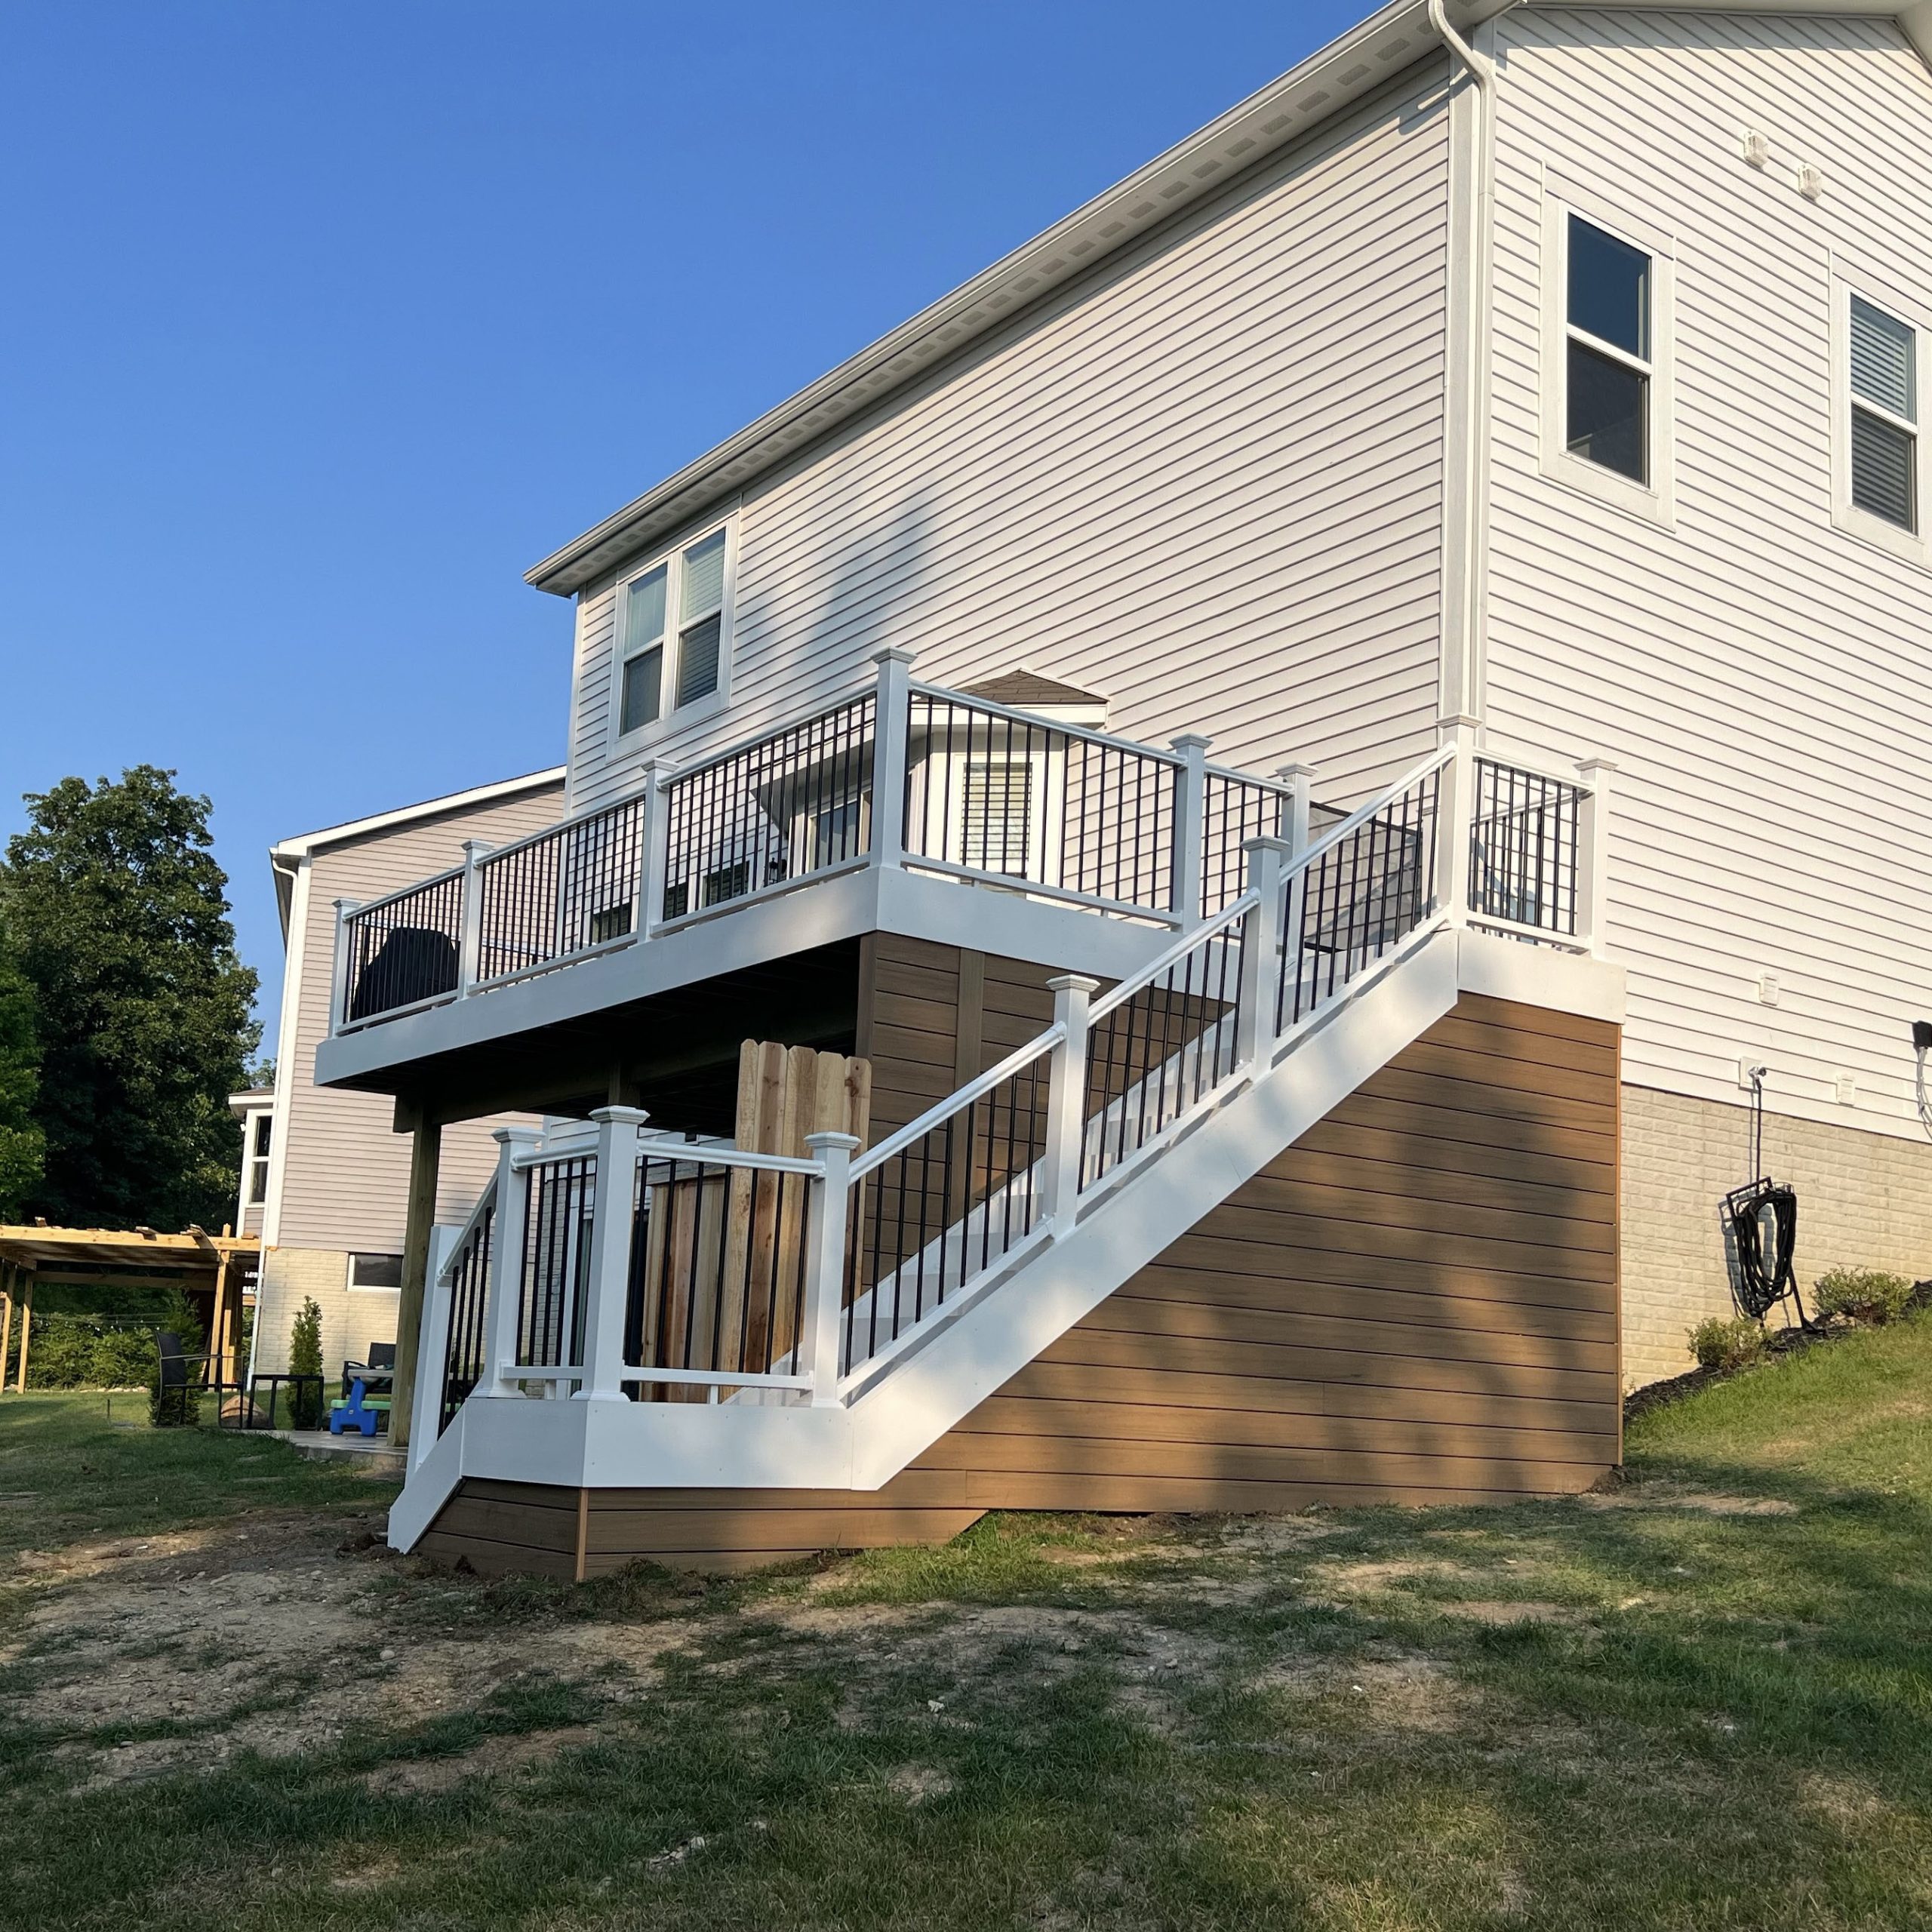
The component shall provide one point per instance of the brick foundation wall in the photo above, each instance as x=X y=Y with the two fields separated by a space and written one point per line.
x=1864 y=1200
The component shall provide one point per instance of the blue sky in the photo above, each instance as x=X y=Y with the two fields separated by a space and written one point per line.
x=324 y=322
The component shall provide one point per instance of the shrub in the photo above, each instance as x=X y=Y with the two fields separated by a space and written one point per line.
x=305 y=1358
x=84 y=1351
x=1735 y=1343
x=1862 y=1294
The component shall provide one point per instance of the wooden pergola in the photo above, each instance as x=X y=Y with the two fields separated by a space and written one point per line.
x=210 y=1269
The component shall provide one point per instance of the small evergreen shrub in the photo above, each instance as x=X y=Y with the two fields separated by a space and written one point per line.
x=305 y=1358
x=84 y=1351
x=1862 y=1294
x=1726 y=1344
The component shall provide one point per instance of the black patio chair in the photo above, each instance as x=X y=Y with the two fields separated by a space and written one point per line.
x=171 y=1409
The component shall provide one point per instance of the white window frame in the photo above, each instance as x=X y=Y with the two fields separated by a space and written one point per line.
x=255 y=1165
x=1656 y=499
x=1849 y=279
x=356 y=1287
x=672 y=716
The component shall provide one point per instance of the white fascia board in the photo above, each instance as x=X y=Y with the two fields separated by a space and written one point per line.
x=1543 y=976
x=306 y=844
x=1316 y=90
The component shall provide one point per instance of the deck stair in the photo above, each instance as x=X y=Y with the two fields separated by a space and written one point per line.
x=757 y=1321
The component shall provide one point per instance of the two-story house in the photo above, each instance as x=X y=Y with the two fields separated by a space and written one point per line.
x=1290 y=743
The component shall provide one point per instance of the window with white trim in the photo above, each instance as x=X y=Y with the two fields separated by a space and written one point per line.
x=1608 y=372
x=1883 y=383
x=674 y=634
x=259 y=1127
x=1606 y=376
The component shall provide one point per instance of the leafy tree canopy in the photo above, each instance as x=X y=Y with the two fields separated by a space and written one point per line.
x=21 y=1147
x=118 y=916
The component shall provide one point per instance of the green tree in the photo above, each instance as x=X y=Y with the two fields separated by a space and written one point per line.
x=22 y=1144
x=117 y=913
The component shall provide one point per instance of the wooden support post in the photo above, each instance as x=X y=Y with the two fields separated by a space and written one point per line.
x=608 y=1279
x=825 y=1263
x=26 y=1334
x=425 y=1158
x=1190 y=822
x=1066 y=1102
x=219 y=1352
x=8 y=1274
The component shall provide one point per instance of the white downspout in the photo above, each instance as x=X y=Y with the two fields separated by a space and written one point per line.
x=1465 y=437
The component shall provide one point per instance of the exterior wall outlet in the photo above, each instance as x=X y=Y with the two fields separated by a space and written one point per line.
x=1810 y=183
x=1756 y=149
x=1748 y=1066
x=1847 y=1090
x=1770 y=989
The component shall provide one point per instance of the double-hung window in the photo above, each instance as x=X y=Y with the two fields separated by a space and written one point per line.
x=1608 y=374
x=1607 y=382
x=674 y=633
x=1884 y=428
x=260 y=1126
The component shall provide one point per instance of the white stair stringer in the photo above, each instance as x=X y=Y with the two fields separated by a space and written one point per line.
x=958 y=1357
x=977 y=1353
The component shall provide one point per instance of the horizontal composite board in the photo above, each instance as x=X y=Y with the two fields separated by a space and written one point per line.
x=1758 y=674
x=1203 y=482
x=345 y=1179
x=1395 y=1309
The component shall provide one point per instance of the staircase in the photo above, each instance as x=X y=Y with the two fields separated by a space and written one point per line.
x=753 y=1323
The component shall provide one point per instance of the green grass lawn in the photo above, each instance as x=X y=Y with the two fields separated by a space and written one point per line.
x=1703 y=1700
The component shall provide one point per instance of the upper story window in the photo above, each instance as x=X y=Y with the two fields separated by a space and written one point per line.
x=674 y=634
x=1608 y=371
x=1880 y=369
x=1608 y=289
x=259 y=1127
x=1884 y=415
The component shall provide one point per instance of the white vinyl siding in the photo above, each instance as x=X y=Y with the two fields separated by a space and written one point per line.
x=1760 y=678
x=345 y=1176
x=1205 y=482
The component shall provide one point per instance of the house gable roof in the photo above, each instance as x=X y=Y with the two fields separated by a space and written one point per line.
x=1329 y=81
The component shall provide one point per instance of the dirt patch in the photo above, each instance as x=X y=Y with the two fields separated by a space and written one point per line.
x=918 y=1783
x=1501 y=1615
x=1648 y=1496
x=1407 y=1693
x=495 y=1757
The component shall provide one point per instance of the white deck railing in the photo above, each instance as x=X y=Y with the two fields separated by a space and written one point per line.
x=947 y=786
x=730 y=1275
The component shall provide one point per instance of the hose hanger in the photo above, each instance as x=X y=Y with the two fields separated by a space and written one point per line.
x=1762 y=1217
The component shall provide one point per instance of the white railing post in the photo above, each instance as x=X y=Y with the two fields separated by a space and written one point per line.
x=1455 y=819
x=653 y=848
x=825 y=1261
x=1190 y=823
x=1593 y=854
x=891 y=732
x=503 y=1299
x=338 y=984
x=1066 y=1102
x=1299 y=780
x=1261 y=951
x=433 y=1346
x=470 y=958
x=608 y=1280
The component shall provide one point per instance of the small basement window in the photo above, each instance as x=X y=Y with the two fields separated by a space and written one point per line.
x=674 y=634
x=375 y=1271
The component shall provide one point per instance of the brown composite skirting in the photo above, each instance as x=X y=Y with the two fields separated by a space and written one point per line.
x=1416 y=1303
